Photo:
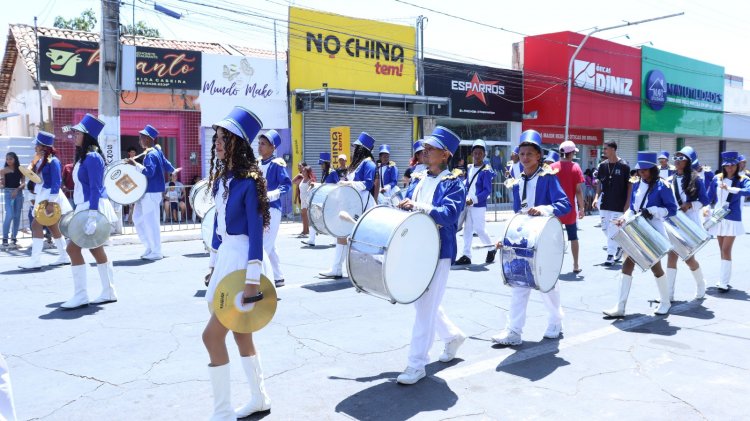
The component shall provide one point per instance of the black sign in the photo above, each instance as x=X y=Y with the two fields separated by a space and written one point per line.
x=476 y=92
x=72 y=61
x=171 y=69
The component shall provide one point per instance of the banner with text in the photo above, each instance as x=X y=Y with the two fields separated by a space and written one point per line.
x=340 y=137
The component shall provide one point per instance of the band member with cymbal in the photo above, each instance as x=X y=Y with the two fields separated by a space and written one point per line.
x=361 y=176
x=691 y=196
x=441 y=195
x=50 y=170
x=242 y=214
x=655 y=201
x=277 y=182
x=478 y=184
x=538 y=193
x=91 y=197
x=728 y=189
x=146 y=210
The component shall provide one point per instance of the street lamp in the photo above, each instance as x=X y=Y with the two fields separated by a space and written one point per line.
x=578 y=50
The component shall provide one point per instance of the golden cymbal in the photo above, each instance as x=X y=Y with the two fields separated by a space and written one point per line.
x=40 y=214
x=29 y=174
x=235 y=316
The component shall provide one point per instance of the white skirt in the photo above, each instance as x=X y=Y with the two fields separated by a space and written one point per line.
x=65 y=206
x=105 y=208
x=727 y=228
x=231 y=257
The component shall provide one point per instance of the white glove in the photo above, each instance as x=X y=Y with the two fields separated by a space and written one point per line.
x=656 y=211
x=90 y=227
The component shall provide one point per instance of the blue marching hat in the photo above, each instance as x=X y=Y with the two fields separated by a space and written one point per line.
x=90 y=125
x=479 y=143
x=444 y=139
x=273 y=137
x=44 y=139
x=741 y=158
x=418 y=146
x=531 y=137
x=324 y=157
x=365 y=140
x=552 y=156
x=689 y=152
x=663 y=155
x=516 y=150
x=384 y=149
x=150 y=131
x=242 y=122
x=646 y=160
x=729 y=158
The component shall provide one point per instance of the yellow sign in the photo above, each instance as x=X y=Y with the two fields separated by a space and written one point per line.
x=349 y=53
x=340 y=137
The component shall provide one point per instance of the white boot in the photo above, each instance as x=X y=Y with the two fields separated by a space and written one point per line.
x=336 y=270
x=34 y=262
x=222 y=393
x=80 y=296
x=259 y=400
x=311 y=238
x=344 y=258
x=700 y=283
x=664 y=302
x=62 y=258
x=106 y=276
x=671 y=277
x=619 y=309
x=725 y=273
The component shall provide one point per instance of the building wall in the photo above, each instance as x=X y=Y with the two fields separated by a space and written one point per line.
x=23 y=99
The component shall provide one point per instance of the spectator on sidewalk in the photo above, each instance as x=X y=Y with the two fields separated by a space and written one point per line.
x=571 y=179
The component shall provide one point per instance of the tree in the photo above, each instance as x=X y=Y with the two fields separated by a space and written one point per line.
x=142 y=29
x=85 y=22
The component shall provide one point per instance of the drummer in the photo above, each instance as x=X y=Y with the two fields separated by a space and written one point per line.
x=146 y=210
x=690 y=193
x=478 y=186
x=278 y=182
x=361 y=176
x=49 y=169
x=242 y=214
x=441 y=195
x=538 y=193
x=91 y=197
x=328 y=177
x=387 y=171
x=728 y=190
x=654 y=200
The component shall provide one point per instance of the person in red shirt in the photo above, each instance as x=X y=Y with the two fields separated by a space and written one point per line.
x=67 y=181
x=571 y=179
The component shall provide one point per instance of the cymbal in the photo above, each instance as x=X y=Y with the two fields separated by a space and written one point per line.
x=40 y=213
x=31 y=175
x=235 y=316
x=77 y=230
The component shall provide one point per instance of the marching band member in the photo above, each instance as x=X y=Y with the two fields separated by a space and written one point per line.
x=513 y=167
x=242 y=214
x=741 y=165
x=91 y=197
x=387 y=171
x=478 y=185
x=416 y=164
x=441 y=195
x=361 y=176
x=690 y=193
x=728 y=190
x=538 y=192
x=277 y=183
x=49 y=169
x=653 y=198
x=146 y=210
x=552 y=157
x=329 y=177
x=665 y=170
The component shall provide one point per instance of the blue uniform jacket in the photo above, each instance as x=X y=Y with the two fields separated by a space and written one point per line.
x=660 y=196
x=735 y=203
x=548 y=192
x=52 y=175
x=154 y=167
x=242 y=216
x=332 y=178
x=91 y=176
x=389 y=175
x=365 y=173
x=276 y=179
x=482 y=184
x=701 y=194
x=708 y=178
x=448 y=202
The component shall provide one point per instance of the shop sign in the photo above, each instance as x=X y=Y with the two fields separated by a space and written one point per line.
x=340 y=137
x=171 y=69
x=358 y=54
x=556 y=135
x=72 y=61
x=476 y=92
x=600 y=78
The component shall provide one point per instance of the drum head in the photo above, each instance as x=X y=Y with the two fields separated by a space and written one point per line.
x=207 y=228
x=550 y=249
x=77 y=227
x=341 y=199
x=411 y=257
x=124 y=183
x=202 y=200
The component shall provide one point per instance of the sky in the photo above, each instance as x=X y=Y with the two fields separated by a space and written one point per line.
x=713 y=31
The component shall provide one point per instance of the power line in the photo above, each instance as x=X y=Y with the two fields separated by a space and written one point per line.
x=462 y=18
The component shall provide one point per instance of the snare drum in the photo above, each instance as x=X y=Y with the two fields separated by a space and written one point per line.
x=125 y=184
x=393 y=199
x=393 y=254
x=532 y=253
x=207 y=228
x=327 y=201
x=686 y=236
x=642 y=242
x=200 y=198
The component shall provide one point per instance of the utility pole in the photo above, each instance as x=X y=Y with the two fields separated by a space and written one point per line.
x=37 y=61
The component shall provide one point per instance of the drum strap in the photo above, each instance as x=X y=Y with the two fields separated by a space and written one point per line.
x=677 y=194
x=526 y=180
x=474 y=178
x=645 y=196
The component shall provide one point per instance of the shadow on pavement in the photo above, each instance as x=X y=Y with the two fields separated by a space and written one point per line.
x=394 y=402
x=20 y=271
x=195 y=255
x=200 y=293
x=133 y=262
x=482 y=267
x=732 y=294
x=572 y=277
x=58 y=313
x=660 y=326
x=329 y=286
x=698 y=312
x=256 y=416
x=536 y=368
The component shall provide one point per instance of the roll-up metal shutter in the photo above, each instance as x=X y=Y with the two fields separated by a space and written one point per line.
x=657 y=143
x=627 y=144
x=386 y=125
x=742 y=147
x=707 y=150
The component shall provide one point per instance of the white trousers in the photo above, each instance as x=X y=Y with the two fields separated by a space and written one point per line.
x=431 y=318
x=146 y=221
x=269 y=243
x=519 y=300
x=610 y=229
x=475 y=221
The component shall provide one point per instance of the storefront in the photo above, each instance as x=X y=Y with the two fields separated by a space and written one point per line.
x=737 y=119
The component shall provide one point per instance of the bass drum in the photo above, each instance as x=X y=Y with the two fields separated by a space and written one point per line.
x=393 y=254
x=532 y=253
x=124 y=183
x=207 y=228
x=200 y=198
x=327 y=202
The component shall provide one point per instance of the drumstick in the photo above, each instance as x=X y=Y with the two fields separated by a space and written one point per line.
x=484 y=246
x=346 y=217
